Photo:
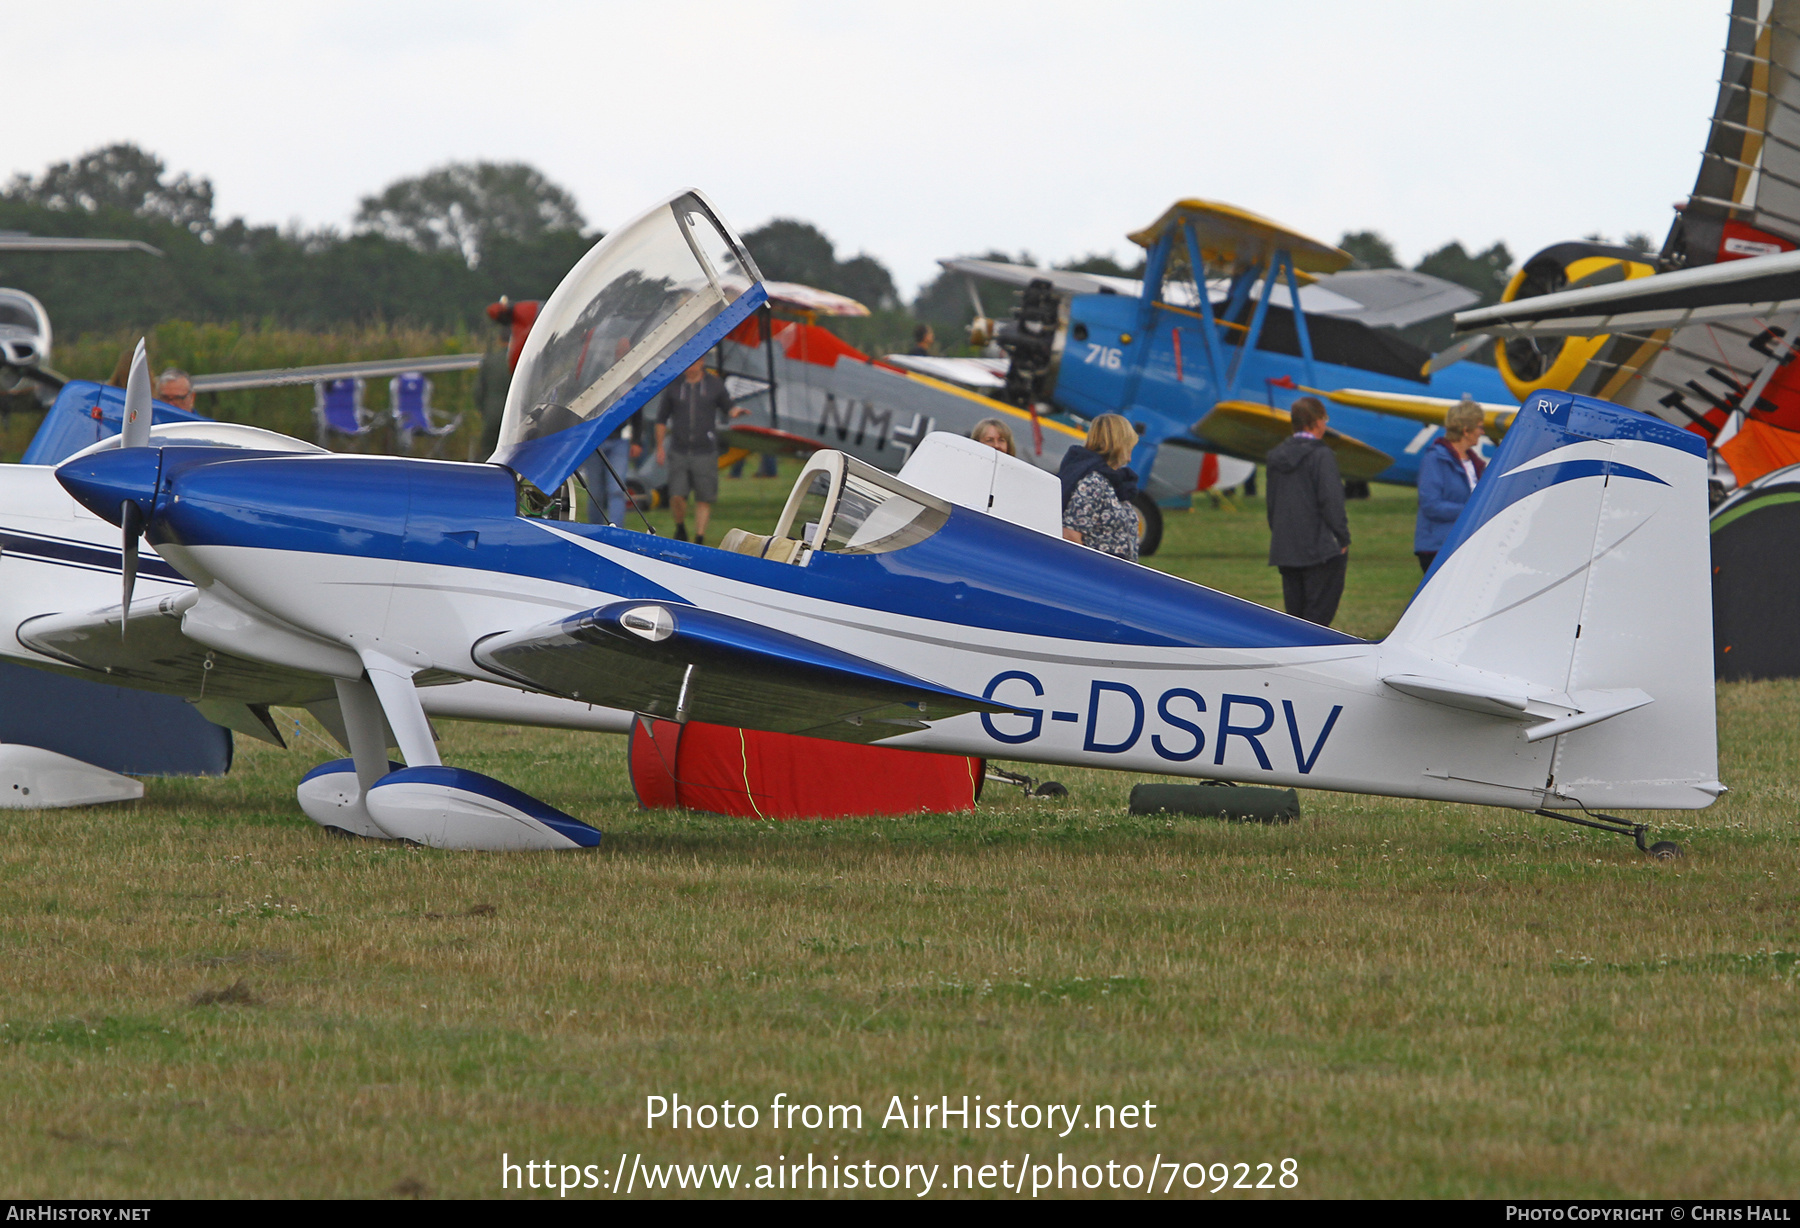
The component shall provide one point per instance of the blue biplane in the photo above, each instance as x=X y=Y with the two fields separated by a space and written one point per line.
x=1211 y=360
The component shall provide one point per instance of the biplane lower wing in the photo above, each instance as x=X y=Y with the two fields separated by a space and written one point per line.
x=1429 y=410
x=1250 y=430
x=680 y=662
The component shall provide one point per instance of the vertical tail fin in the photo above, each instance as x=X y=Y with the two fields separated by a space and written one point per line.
x=1578 y=576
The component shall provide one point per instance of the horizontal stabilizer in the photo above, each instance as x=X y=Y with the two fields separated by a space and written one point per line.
x=1515 y=700
x=1495 y=700
x=682 y=663
x=1596 y=706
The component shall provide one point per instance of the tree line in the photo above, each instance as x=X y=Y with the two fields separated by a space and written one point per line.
x=433 y=250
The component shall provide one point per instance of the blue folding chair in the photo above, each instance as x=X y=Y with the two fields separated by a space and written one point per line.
x=338 y=405
x=409 y=400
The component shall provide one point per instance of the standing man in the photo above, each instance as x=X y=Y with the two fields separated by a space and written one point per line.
x=1309 y=535
x=687 y=442
x=923 y=340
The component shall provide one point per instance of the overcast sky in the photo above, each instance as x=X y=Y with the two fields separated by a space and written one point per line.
x=911 y=130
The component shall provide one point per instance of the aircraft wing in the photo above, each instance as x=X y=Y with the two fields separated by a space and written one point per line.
x=679 y=662
x=798 y=297
x=1066 y=282
x=984 y=375
x=275 y=377
x=1696 y=345
x=152 y=653
x=14 y=242
x=1760 y=287
x=1249 y=429
x=1390 y=298
x=1420 y=409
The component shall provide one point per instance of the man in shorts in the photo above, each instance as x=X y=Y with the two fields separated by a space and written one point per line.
x=687 y=443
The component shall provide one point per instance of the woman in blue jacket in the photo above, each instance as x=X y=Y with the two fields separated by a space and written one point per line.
x=1447 y=475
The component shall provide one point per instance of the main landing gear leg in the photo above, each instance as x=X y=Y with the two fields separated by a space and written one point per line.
x=448 y=807
x=1662 y=850
x=333 y=794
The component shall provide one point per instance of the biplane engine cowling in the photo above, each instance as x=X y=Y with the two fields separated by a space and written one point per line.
x=1529 y=364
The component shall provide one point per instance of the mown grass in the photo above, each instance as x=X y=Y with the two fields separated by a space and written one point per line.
x=1409 y=999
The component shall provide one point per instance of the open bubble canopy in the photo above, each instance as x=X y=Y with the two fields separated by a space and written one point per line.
x=646 y=303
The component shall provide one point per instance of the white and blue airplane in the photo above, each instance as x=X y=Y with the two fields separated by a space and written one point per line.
x=1556 y=657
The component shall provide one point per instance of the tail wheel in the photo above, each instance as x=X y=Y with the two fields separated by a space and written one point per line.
x=1150 y=524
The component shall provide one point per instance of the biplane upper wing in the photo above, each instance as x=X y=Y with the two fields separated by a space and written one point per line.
x=1380 y=298
x=681 y=662
x=1235 y=239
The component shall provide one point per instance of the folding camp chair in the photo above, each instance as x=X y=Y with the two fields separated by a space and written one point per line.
x=338 y=405
x=409 y=398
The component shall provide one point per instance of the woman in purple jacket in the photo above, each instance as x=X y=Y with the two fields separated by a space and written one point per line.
x=1447 y=475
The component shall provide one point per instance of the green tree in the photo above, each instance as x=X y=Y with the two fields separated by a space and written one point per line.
x=466 y=207
x=1485 y=272
x=787 y=249
x=124 y=178
x=1371 y=249
x=1102 y=266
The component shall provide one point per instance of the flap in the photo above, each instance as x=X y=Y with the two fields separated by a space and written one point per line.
x=680 y=663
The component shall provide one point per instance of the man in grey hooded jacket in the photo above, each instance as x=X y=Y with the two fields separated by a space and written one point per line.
x=1309 y=534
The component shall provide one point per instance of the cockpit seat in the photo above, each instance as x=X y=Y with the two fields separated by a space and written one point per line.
x=777 y=550
x=741 y=541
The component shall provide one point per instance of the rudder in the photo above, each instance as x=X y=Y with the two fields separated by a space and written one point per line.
x=1579 y=576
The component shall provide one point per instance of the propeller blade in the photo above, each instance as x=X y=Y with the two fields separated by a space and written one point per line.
x=975 y=297
x=131 y=521
x=136 y=432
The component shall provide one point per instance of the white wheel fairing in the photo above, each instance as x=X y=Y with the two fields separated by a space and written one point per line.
x=330 y=797
x=32 y=778
x=452 y=808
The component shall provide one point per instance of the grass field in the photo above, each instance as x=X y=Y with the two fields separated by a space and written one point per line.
x=205 y=995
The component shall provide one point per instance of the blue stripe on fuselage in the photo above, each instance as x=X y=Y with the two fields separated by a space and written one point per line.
x=84 y=555
x=976 y=571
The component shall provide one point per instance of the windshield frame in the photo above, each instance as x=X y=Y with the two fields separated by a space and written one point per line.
x=546 y=457
x=837 y=466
